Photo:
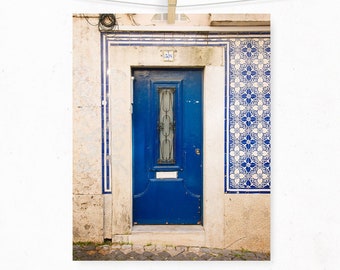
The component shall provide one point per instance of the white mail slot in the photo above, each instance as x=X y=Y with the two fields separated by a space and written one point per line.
x=163 y=175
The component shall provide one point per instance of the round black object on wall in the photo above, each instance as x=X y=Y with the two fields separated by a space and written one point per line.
x=107 y=21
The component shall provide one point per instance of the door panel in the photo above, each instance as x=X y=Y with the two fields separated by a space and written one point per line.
x=167 y=146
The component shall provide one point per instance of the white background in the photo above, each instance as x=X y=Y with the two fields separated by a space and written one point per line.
x=36 y=132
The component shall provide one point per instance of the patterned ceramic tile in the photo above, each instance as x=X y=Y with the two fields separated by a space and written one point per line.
x=248 y=129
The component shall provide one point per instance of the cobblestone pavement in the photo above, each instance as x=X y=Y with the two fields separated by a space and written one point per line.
x=129 y=252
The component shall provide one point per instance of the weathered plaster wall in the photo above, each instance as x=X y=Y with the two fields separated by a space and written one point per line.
x=247 y=222
x=193 y=19
x=87 y=190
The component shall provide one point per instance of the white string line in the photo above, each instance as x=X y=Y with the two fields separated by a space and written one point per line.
x=180 y=6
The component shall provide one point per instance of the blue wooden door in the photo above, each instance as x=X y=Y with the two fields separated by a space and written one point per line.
x=167 y=146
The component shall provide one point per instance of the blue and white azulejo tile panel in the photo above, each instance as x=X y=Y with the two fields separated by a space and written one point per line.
x=248 y=117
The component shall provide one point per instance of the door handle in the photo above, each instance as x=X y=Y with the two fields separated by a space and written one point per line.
x=197 y=151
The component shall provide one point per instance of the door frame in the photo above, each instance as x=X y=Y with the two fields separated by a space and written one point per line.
x=122 y=60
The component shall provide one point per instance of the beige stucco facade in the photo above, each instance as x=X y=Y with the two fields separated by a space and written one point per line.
x=232 y=221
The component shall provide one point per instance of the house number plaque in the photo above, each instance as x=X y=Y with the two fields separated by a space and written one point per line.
x=168 y=56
